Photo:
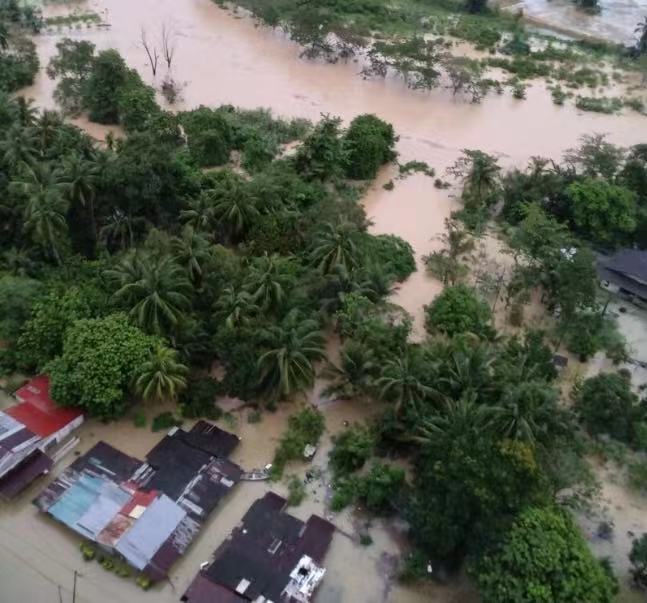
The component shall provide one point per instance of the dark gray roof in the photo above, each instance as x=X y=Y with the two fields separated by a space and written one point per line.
x=631 y=263
x=263 y=550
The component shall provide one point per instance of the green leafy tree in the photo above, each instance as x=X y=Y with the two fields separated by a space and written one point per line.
x=544 y=558
x=459 y=310
x=291 y=349
x=369 y=143
x=162 y=376
x=468 y=485
x=322 y=155
x=448 y=264
x=72 y=63
x=607 y=405
x=17 y=296
x=99 y=360
x=101 y=94
x=42 y=336
x=603 y=212
x=595 y=157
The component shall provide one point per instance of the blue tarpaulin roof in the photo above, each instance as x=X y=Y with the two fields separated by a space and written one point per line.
x=76 y=500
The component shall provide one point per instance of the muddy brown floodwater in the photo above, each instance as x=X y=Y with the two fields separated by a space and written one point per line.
x=224 y=58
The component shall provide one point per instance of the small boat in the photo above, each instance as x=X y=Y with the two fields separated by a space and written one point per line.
x=255 y=475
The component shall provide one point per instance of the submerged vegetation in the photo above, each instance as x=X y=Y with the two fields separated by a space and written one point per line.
x=418 y=41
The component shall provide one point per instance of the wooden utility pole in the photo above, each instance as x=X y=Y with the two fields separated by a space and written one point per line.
x=74 y=589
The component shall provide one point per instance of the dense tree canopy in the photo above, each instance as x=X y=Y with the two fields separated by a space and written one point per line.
x=457 y=310
x=99 y=360
x=542 y=559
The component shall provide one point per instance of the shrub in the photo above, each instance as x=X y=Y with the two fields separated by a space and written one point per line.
x=352 y=449
x=381 y=488
x=87 y=551
x=165 y=421
x=296 y=491
x=139 y=420
x=199 y=399
x=393 y=254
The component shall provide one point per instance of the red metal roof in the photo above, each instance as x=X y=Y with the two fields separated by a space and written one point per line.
x=37 y=411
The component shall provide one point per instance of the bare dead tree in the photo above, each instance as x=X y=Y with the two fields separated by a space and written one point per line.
x=168 y=44
x=153 y=57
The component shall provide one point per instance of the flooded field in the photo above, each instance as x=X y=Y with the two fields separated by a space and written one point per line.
x=222 y=58
x=616 y=21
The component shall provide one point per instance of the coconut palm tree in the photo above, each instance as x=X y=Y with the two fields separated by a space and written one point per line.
x=45 y=207
x=17 y=262
x=18 y=147
x=155 y=289
x=469 y=370
x=199 y=214
x=400 y=383
x=235 y=308
x=457 y=419
x=27 y=111
x=162 y=376
x=483 y=176
x=336 y=246
x=286 y=367
x=234 y=208
x=192 y=251
x=355 y=375
x=80 y=177
x=118 y=230
x=46 y=127
x=528 y=411
x=269 y=281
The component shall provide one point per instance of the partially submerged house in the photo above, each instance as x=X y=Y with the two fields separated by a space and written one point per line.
x=625 y=272
x=270 y=556
x=147 y=512
x=32 y=433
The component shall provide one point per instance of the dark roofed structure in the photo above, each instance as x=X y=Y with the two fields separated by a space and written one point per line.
x=270 y=556
x=147 y=512
x=626 y=270
x=31 y=432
